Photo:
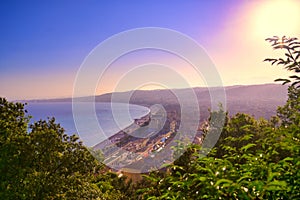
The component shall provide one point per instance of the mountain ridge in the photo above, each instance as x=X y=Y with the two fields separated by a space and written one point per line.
x=258 y=100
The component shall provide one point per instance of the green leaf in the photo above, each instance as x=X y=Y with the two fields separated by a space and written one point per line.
x=222 y=181
x=202 y=178
x=245 y=148
x=276 y=185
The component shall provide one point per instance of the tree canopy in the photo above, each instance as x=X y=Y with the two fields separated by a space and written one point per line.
x=40 y=161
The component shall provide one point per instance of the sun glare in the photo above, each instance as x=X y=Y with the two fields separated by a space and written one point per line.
x=279 y=17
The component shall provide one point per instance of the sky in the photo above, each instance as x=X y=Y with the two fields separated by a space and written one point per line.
x=44 y=43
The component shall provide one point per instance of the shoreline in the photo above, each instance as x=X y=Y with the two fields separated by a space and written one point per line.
x=127 y=149
x=115 y=138
x=132 y=149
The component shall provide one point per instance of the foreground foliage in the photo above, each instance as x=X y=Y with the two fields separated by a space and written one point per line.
x=265 y=168
x=41 y=161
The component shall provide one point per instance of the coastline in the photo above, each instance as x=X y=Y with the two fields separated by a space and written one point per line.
x=117 y=137
x=144 y=139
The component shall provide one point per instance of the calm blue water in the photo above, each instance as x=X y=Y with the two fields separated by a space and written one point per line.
x=110 y=122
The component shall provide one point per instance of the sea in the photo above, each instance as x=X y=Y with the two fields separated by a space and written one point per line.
x=92 y=127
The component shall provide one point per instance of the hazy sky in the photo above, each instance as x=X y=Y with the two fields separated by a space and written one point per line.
x=43 y=43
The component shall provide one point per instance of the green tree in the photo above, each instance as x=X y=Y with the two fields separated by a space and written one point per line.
x=289 y=113
x=43 y=163
x=13 y=144
x=291 y=62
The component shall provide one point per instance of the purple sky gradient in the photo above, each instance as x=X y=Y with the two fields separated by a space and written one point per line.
x=43 y=43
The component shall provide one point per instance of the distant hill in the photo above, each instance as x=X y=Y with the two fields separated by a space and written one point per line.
x=257 y=100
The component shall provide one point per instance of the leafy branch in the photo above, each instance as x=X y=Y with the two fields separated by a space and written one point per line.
x=291 y=62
